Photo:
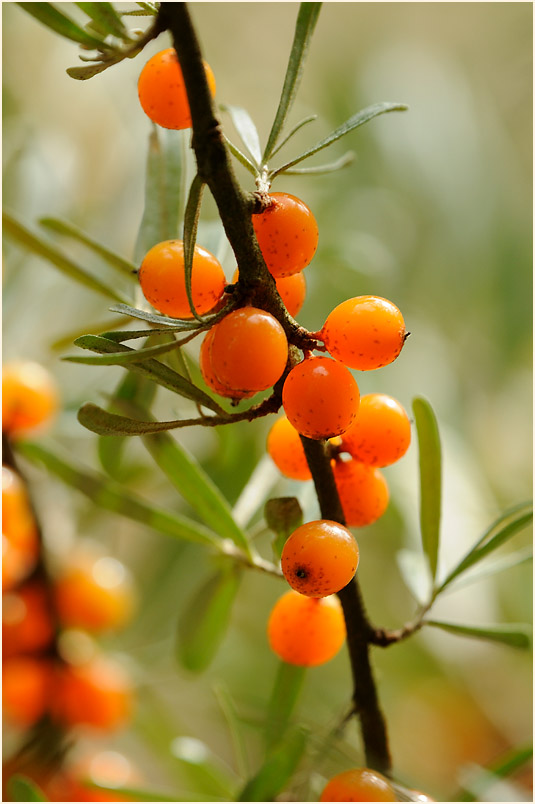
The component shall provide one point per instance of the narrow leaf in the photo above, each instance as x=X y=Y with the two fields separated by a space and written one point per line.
x=68 y=339
x=106 y=18
x=304 y=28
x=240 y=156
x=58 y=22
x=204 y=771
x=104 y=423
x=502 y=529
x=228 y=709
x=112 y=497
x=173 y=324
x=152 y=369
x=204 y=621
x=352 y=123
x=23 y=789
x=195 y=486
x=246 y=129
x=191 y=222
x=278 y=768
x=500 y=768
x=88 y=70
x=283 y=515
x=414 y=569
x=514 y=635
x=121 y=358
x=164 y=190
x=31 y=241
x=430 y=479
x=318 y=170
x=129 y=793
x=263 y=479
x=294 y=130
x=67 y=229
x=500 y=565
x=286 y=690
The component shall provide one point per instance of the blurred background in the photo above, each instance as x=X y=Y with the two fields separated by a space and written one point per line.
x=434 y=214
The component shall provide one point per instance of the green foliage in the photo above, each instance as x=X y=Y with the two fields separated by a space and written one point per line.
x=430 y=479
x=283 y=515
x=23 y=789
x=247 y=131
x=278 y=768
x=514 y=635
x=288 y=684
x=191 y=222
x=63 y=25
x=105 y=18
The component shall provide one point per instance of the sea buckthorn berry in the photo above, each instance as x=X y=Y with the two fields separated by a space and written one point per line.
x=363 y=492
x=162 y=279
x=162 y=92
x=306 y=631
x=320 y=397
x=97 y=693
x=26 y=620
x=319 y=558
x=95 y=594
x=292 y=290
x=249 y=350
x=381 y=432
x=360 y=784
x=20 y=541
x=207 y=371
x=26 y=688
x=286 y=450
x=365 y=332
x=287 y=234
x=30 y=398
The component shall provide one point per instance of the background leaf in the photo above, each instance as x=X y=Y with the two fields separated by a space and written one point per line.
x=106 y=18
x=23 y=789
x=61 y=24
x=514 y=635
x=283 y=515
x=203 y=622
x=191 y=222
x=430 y=479
x=246 y=129
x=288 y=684
x=277 y=769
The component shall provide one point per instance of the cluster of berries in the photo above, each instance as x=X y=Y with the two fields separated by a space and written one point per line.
x=51 y=667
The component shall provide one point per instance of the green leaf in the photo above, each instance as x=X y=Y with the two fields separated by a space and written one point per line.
x=191 y=222
x=294 y=130
x=246 y=129
x=286 y=690
x=172 y=324
x=515 y=635
x=121 y=357
x=23 y=789
x=430 y=479
x=64 y=228
x=240 y=156
x=203 y=623
x=414 y=570
x=88 y=70
x=228 y=709
x=15 y=230
x=352 y=123
x=111 y=496
x=152 y=369
x=195 y=486
x=58 y=22
x=501 y=768
x=130 y=793
x=277 y=769
x=204 y=771
x=106 y=18
x=103 y=423
x=319 y=170
x=164 y=190
x=283 y=515
x=507 y=524
x=499 y=565
x=304 y=28
x=67 y=340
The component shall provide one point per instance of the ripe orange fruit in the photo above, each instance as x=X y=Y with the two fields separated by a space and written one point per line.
x=286 y=450
x=26 y=620
x=320 y=397
x=95 y=593
x=26 y=688
x=20 y=540
x=381 y=432
x=249 y=350
x=363 y=492
x=319 y=558
x=162 y=92
x=360 y=784
x=306 y=631
x=365 y=332
x=287 y=234
x=207 y=371
x=30 y=398
x=162 y=279
x=97 y=693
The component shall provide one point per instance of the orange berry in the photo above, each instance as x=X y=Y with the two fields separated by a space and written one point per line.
x=360 y=784
x=26 y=686
x=306 y=631
x=162 y=92
x=163 y=283
x=30 y=398
x=319 y=558
x=287 y=234
x=320 y=397
x=95 y=594
x=207 y=371
x=286 y=450
x=26 y=620
x=381 y=432
x=249 y=350
x=363 y=492
x=96 y=693
x=365 y=332
x=292 y=290
x=20 y=540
